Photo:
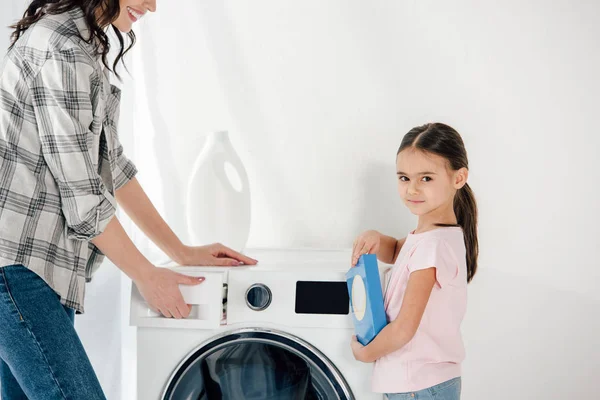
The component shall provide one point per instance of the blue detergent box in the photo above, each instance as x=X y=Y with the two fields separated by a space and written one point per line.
x=366 y=298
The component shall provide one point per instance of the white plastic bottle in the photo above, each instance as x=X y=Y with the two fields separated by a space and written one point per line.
x=218 y=196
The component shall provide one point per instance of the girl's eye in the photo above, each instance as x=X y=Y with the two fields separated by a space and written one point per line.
x=403 y=178
x=426 y=179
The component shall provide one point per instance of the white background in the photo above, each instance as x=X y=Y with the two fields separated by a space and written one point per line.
x=317 y=96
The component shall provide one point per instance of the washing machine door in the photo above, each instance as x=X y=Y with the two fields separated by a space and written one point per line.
x=253 y=364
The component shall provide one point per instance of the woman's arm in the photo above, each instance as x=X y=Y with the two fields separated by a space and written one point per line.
x=132 y=198
x=159 y=286
x=119 y=249
x=400 y=331
x=134 y=201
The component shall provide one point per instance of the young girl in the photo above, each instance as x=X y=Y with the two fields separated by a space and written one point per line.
x=419 y=353
x=62 y=173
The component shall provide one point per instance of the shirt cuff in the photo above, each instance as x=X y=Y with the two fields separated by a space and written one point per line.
x=95 y=221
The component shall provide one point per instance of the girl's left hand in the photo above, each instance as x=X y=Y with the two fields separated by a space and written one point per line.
x=358 y=350
x=213 y=254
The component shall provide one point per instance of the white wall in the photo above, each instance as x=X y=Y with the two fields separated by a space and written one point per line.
x=10 y=11
x=318 y=96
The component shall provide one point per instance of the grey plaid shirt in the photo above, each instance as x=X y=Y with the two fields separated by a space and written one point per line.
x=60 y=157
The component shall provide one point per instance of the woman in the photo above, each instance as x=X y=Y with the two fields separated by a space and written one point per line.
x=62 y=172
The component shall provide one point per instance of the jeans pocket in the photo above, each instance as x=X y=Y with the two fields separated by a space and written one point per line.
x=449 y=390
x=7 y=293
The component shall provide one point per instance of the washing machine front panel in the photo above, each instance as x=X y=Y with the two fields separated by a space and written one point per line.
x=298 y=294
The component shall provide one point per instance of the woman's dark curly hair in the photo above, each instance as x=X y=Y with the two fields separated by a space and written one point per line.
x=98 y=14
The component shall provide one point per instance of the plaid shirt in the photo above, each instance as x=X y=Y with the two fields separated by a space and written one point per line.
x=60 y=157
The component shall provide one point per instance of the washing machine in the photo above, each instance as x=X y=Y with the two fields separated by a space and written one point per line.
x=279 y=330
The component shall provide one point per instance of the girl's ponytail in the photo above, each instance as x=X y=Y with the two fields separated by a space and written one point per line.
x=465 y=208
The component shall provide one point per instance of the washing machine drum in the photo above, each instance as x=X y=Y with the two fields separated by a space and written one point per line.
x=257 y=366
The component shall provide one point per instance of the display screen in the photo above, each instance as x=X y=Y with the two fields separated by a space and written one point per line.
x=322 y=298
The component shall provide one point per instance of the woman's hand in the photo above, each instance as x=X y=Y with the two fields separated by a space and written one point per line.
x=160 y=288
x=367 y=243
x=213 y=254
x=358 y=350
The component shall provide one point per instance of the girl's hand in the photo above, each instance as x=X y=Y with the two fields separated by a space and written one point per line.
x=160 y=288
x=367 y=243
x=213 y=254
x=358 y=350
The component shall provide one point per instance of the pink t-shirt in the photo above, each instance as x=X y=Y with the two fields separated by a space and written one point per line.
x=435 y=353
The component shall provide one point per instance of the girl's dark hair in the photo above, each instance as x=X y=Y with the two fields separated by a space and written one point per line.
x=444 y=141
x=98 y=14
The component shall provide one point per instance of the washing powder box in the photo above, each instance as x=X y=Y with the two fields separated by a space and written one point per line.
x=366 y=298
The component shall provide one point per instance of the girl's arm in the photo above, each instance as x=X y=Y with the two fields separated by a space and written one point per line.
x=400 y=331
x=385 y=247
x=389 y=248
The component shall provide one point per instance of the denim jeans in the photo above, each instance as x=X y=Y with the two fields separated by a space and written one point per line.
x=41 y=356
x=449 y=390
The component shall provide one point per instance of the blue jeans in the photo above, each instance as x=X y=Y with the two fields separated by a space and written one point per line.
x=449 y=390
x=41 y=356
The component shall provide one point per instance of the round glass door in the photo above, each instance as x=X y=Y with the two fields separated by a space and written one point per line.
x=252 y=364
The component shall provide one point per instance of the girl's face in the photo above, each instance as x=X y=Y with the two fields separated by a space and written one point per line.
x=425 y=181
x=132 y=11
